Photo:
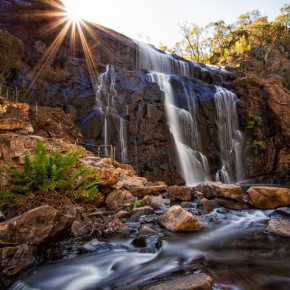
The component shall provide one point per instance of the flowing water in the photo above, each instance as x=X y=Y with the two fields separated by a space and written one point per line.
x=233 y=249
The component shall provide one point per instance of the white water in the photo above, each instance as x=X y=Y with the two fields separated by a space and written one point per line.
x=183 y=126
x=108 y=101
x=230 y=138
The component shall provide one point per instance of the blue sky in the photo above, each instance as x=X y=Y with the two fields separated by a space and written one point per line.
x=157 y=20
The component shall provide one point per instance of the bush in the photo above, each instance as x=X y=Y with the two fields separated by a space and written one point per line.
x=253 y=121
x=258 y=146
x=53 y=172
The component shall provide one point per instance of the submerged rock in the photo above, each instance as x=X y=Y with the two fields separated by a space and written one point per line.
x=35 y=227
x=198 y=281
x=269 y=197
x=177 y=219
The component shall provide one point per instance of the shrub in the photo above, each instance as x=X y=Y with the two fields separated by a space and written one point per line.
x=138 y=203
x=258 y=146
x=53 y=172
x=253 y=121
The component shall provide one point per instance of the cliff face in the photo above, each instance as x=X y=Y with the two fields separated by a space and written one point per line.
x=114 y=98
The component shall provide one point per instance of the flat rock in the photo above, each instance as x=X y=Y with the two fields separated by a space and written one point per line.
x=35 y=227
x=216 y=189
x=198 y=281
x=268 y=197
x=148 y=190
x=177 y=219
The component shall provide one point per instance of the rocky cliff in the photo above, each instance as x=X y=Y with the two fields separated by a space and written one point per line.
x=113 y=98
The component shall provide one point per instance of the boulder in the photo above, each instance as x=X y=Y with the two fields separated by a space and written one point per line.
x=13 y=260
x=144 y=210
x=148 y=190
x=119 y=198
x=183 y=193
x=279 y=227
x=155 y=201
x=268 y=197
x=147 y=231
x=197 y=281
x=108 y=176
x=177 y=219
x=215 y=189
x=35 y=227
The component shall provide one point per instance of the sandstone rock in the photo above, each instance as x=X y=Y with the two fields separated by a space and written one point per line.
x=80 y=229
x=146 y=230
x=148 y=190
x=156 y=202
x=131 y=183
x=215 y=189
x=108 y=176
x=144 y=210
x=198 y=281
x=268 y=197
x=176 y=219
x=35 y=227
x=119 y=198
x=183 y=193
x=13 y=260
x=279 y=227
x=122 y=214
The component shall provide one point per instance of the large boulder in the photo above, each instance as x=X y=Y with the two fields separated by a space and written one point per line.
x=197 y=281
x=15 y=259
x=35 y=227
x=215 y=189
x=268 y=197
x=177 y=219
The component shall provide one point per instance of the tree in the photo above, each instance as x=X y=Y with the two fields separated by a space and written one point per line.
x=11 y=51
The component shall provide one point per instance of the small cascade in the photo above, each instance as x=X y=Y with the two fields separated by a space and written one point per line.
x=108 y=101
x=183 y=126
x=148 y=57
x=230 y=138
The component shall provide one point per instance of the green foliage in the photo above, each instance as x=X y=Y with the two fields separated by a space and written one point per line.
x=11 y=51
x=48 y=172
x=258 y=146
x=253 y=121
x=138 y=203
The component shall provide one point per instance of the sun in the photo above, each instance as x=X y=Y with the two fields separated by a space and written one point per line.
x=73 y=10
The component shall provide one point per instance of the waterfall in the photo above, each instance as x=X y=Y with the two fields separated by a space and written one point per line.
x=230 y=138
x=183 y=126
x=110 y=104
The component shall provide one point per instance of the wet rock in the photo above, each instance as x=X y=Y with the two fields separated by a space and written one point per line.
x=144 y=210
x=215 y=189
x=35 y=227
x=210 y=204
x=140 y=242
x=156 y=202
x=80 y=229
x=145 y=230
x=119 y=198
x=199 y=281
x=177 y=219
x=97 y=246
x=268 y=197
x=148 y=190
x=183 y=193
x=280 y=227
x=13 y=260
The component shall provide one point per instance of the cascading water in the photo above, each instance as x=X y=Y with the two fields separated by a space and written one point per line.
x=183 y=126
x=230 y=138
x=108 y=101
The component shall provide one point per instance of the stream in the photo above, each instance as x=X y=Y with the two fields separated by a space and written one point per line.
x=233 y=249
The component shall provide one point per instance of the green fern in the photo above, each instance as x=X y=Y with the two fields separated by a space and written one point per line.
x=47 y=172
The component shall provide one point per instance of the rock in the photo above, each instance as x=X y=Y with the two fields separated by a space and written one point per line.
x=183 y=193
x=107 y=176
x=156 y=202
x=139 y=211
x=215 y=189
x=122 y=214
x=119 y=198
x=140 y=242
x=134 y=182
x=177 y=219
x=198 y=281
x=80 y=229
x=117 y=226
x=13 y=260
x=94 y=246
x=36 y=226
x=2 y=217
x=279 y=227
x=268 y=197
x=145 y=230
x=148 y=190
